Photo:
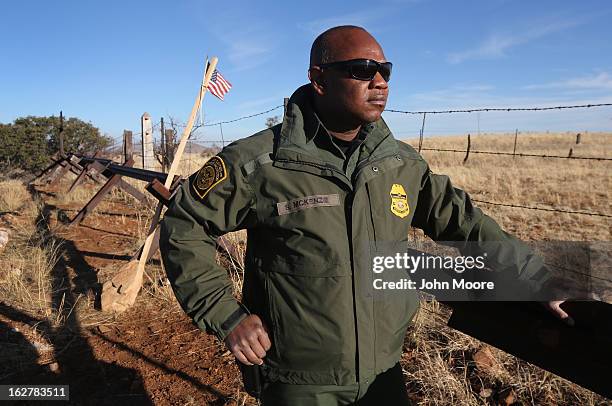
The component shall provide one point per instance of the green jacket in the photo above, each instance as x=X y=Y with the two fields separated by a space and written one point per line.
x=309 y=222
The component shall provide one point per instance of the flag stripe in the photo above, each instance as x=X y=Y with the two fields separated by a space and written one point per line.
x=218 y=85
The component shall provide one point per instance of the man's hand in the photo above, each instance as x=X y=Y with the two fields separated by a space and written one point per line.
x=249 y=340
x=554 y=306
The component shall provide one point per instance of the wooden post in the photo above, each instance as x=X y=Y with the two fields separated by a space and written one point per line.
x=162 y=146
x=148 y=160
x=152 y=250
x=120 y=292
x=514 y=150
x=128 y=146
x=578 y=136
x=222 y=138
x=61 y=134
x=422 y=133
x=467 y=153
x=169 y=145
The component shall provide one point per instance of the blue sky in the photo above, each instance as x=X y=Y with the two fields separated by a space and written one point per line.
x=108 y=61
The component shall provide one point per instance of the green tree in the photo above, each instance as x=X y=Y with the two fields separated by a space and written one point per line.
x=29 y=142
x=22 y=149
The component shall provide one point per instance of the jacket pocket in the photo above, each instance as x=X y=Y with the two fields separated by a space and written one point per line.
x=311 y=329
x=389 y=210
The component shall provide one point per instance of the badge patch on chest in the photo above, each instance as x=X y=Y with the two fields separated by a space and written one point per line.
x=399 y=201
x=212 y=173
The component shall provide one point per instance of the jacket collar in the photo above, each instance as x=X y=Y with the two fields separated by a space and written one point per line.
x=301 y=124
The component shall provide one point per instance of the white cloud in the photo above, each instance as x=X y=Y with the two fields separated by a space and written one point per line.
x=496 y=45
x=317 y=26
x=600 y=81
x=246 y=46
x=247 y=52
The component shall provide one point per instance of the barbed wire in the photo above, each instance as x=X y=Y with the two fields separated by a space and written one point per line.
x=484 y=109
x=424 y=113
x=519 y=154
x=243 y=118
x=211 y=141
x=505 y=109
x=518 y=206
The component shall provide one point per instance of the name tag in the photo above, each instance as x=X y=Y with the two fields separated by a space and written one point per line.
x=307 y=203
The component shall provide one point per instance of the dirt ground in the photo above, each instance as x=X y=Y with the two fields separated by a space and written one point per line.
x=151 y=354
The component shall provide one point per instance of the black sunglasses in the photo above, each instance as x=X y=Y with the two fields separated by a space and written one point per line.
x=361 y=69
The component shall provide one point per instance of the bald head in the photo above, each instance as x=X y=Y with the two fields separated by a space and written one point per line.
x=333 y=44
x=343 y=99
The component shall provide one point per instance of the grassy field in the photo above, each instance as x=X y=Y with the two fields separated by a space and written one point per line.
x=567 y=184
x=49 y=274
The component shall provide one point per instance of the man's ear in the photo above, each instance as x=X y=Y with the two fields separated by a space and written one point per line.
x=316 y=79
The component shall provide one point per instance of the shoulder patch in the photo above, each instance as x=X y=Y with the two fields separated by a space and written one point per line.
x=212 y=173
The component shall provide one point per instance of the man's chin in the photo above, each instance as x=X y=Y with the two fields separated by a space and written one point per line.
x=373 y=116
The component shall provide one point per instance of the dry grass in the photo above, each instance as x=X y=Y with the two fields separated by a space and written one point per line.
x=27 y=263
x=234 y=263
x=13 y=195
x=440 y=367
x=543 y=182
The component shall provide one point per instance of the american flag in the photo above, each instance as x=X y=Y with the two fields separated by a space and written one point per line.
x=218 y=86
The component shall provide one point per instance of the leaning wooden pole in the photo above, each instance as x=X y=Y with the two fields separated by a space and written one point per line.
x=120 y=292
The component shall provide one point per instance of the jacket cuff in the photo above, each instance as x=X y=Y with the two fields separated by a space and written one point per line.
x=538 y=280
x=232 y=318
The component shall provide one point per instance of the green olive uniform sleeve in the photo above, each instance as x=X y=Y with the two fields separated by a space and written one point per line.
x=216 y=200
x=446 y=213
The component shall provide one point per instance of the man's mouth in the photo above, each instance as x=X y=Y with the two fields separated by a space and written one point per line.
x=379 y=101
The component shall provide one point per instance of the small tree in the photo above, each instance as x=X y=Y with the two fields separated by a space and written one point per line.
x=21 y=149
x=28 y=142
x=165 y=153
x=272 y=121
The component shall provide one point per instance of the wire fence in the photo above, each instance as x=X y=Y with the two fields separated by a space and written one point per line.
x=503 y=109
x=198 y=145
x=244 y=117
x=555 y=210
x=518 y=154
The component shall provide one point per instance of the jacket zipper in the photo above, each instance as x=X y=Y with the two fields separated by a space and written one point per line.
x=349 y=229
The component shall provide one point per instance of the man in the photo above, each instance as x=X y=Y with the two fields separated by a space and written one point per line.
x=312 y=193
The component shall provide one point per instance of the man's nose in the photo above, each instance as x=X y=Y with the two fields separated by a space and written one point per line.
x=378 y=82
